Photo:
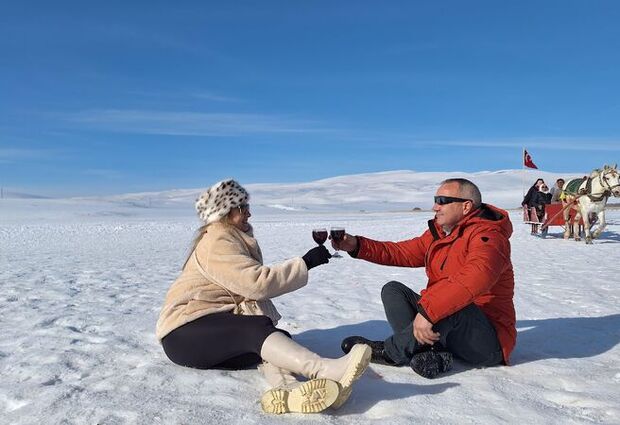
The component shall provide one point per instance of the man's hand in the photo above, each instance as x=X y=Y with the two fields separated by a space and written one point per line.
x=423 y=331
x=348 y=243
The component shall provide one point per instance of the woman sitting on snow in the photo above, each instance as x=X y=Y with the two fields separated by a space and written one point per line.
x=218 y=313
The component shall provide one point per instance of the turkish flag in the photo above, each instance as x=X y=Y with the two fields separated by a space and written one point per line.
x=527 y=160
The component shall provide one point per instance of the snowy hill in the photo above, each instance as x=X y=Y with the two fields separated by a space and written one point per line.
x=385 y=191
x=390 y=191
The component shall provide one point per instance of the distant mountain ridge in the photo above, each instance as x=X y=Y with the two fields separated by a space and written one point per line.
x=8 y=194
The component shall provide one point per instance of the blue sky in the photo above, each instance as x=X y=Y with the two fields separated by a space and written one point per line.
x=113 y=97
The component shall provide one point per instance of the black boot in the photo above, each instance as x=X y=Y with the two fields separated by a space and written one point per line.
x=431 y=363
x=378 y=353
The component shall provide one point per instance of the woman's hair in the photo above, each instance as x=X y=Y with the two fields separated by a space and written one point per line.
x=198 y=236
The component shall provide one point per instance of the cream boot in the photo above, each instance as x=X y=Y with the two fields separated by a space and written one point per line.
x=290 y=395
x=285 y=353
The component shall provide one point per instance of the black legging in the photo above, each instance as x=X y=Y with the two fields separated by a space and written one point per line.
x=219 y=341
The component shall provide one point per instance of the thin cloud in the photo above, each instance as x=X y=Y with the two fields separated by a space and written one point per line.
x=16 y=154
x=177 y=96
x=402 y=49
x=546 y=143
x=398 y=140
x=216 y=98
x=141 y=37
x=104 y=173
x=192 y=123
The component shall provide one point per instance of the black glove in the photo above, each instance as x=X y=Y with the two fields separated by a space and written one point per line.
x=316 y=257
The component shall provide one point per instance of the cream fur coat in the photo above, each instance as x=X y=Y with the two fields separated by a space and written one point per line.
x=233 y=260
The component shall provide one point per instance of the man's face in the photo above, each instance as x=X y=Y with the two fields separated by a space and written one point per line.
x=449 y=214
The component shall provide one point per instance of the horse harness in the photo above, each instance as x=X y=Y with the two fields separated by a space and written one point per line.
x=588 y=189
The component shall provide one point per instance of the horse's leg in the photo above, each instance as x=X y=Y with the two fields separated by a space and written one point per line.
x=586 y=226
x=566 y=215
x=576 y=221
x=601 y=225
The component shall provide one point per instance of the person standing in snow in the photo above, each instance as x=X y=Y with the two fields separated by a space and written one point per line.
x=527 y=199
x=467 y=307
x=218 y=313
x=539 y=200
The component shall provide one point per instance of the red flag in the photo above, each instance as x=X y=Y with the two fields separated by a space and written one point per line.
x=527 y=160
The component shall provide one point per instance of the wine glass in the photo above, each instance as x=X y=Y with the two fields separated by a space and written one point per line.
x=337 y=234
x=319 y=235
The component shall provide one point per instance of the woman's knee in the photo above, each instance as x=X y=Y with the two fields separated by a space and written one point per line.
x=263 y=321
x=261 y=328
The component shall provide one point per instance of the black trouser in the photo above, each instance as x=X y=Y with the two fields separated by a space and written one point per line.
x=219 y=341
x=467 y=334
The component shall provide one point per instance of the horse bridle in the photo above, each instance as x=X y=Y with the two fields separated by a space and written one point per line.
x=604 y=182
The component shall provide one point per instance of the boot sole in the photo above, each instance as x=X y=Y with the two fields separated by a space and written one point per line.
x=429 y=364
x=357 y=366
x=312 y=396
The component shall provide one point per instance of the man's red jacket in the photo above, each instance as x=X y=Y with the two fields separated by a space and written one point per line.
x=470 y=265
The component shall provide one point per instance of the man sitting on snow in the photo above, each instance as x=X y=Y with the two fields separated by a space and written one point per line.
x=467 y=307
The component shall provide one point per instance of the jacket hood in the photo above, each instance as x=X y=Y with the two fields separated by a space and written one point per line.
x=490 y=216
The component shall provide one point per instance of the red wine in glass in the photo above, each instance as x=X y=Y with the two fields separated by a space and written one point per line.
x=337 y=234
x=319 y=236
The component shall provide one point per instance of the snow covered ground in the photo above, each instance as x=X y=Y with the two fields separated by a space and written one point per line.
x=82 y=283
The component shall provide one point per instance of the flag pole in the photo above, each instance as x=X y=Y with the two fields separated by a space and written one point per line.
x=523 y=173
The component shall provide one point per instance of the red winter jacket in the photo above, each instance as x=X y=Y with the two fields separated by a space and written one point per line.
x=470 y=265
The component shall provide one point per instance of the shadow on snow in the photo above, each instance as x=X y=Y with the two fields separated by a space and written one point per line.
x=565 y=338
x=556 y=338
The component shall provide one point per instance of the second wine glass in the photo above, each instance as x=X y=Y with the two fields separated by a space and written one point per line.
x=337 y=234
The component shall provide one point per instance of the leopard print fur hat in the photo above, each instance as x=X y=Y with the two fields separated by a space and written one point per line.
x=217 y=201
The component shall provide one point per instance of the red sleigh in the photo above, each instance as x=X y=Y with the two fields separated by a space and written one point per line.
x=554 y=216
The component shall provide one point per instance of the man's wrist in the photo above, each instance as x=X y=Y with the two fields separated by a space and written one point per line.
x=423 y=312
x=355 y=251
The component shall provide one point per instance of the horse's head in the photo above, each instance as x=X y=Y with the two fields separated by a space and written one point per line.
x=611 y=179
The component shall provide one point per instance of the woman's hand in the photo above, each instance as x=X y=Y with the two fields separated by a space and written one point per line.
x=316 y=256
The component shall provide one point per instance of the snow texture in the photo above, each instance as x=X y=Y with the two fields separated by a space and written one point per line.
x=83 y=281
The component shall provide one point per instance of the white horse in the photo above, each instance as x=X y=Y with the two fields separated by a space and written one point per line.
x=590 y=196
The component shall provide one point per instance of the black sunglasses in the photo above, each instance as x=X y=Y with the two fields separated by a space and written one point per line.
x=243 y=208
x=444 y=200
